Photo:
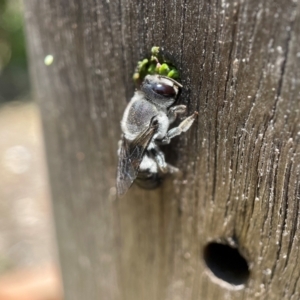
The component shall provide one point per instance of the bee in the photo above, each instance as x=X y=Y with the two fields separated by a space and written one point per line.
x=145 y=126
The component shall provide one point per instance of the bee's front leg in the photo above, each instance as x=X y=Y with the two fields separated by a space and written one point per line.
x=175 y=111
x=182 y=127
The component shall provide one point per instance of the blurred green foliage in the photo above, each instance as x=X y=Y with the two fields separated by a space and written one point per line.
x=14 y=82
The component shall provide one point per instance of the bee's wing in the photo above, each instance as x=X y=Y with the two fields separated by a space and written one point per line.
x=130 y=156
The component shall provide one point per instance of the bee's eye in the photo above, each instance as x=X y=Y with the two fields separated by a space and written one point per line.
x=164 y=90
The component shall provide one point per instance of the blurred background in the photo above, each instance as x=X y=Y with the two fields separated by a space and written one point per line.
x=28 y=268
x=14 y=80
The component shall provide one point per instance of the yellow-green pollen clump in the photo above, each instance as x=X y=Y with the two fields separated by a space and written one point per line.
x=156 y=64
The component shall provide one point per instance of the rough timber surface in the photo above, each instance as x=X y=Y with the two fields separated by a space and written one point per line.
x=240 y=66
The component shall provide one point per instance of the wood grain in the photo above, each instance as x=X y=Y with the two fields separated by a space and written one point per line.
x=240 y=64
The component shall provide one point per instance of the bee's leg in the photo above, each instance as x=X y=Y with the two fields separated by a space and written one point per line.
x=159 y=157
x=172 y=169
x=164 y=167
x=182 y=127
x=175 y=111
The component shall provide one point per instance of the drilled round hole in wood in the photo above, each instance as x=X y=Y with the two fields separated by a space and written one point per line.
x=226 y=263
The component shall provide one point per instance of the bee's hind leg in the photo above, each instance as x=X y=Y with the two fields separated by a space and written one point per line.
x=173 y=170
x=153 y=169
x=164 y=167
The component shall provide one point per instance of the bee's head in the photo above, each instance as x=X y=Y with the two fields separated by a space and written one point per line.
x=161 y=90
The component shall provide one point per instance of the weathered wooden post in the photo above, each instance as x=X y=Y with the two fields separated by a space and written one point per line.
x=239 y=196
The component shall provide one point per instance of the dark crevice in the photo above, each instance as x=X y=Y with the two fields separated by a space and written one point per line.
x=282 y=71
x=256 y=192
x=226 y=263
x=165 y=22
x=262 y=193
x=294 y=290
x=269 y=182
x=275 y=180
x=229 y=71
x=215 y=123
x=296 y=214
x=248 y=204
x=182 y=31
x=203 y=57
x=286 y=199
x=236 y=142
x=253 y=29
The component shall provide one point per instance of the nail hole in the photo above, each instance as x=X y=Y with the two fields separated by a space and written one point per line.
x=226 y=263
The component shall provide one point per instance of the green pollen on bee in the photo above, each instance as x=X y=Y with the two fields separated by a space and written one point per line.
x=164 y=69
x=151 y=69
x=155 y=50
x=173 y=74
x=136 y=76
x=156 y=63
x=48 y=60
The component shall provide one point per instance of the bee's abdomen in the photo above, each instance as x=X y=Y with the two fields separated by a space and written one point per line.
x=148 y=180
